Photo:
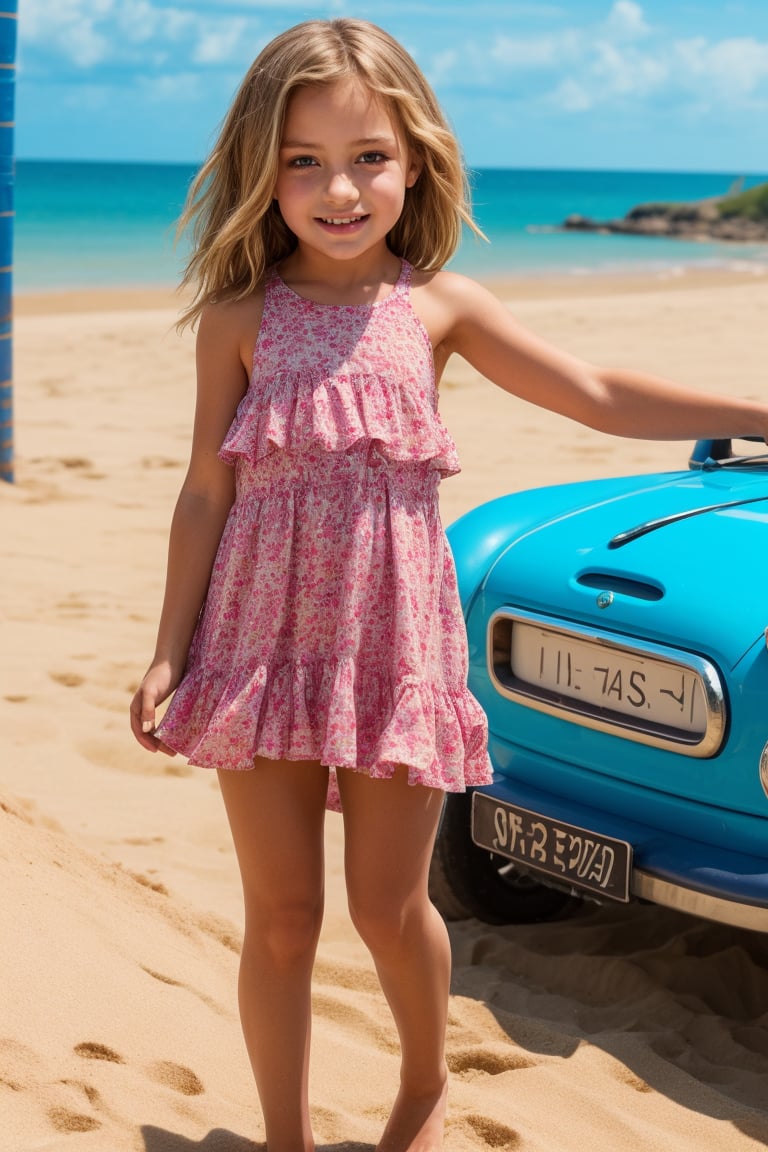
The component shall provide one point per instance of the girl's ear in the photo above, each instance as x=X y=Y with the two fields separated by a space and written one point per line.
x=415 y=167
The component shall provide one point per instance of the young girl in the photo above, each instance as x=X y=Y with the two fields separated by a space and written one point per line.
x=311 y=628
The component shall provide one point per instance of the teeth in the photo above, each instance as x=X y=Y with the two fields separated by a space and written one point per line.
x=340 y=219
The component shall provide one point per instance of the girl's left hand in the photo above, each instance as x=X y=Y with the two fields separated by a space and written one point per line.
x=156 y=686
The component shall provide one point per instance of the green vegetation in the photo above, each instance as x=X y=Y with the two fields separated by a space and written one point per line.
x=752 y=204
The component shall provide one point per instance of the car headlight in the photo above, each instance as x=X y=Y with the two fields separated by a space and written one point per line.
x=764 y=769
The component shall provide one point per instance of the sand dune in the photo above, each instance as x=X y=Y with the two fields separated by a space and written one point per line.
x=625 y=1029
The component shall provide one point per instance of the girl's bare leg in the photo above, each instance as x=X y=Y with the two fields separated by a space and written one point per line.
x=276 y=813
x=390 y=828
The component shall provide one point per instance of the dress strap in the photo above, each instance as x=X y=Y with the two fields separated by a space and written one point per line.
x=272 y=278
x=403 y=283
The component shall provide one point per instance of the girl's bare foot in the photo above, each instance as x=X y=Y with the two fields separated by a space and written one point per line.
x=417 y=1123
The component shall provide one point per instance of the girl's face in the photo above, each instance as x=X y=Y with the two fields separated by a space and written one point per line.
x=343 y=170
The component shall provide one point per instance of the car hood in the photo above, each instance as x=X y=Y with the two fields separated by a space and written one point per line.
x=675 y=556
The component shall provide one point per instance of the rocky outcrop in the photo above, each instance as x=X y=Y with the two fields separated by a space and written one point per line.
x=719 y=218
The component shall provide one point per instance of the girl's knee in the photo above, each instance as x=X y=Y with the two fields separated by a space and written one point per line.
x=287 y=933
x=384 y=927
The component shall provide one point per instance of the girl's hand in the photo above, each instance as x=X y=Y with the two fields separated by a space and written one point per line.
x=156 y=686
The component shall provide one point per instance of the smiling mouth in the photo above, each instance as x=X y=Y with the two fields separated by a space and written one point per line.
x=339 y=220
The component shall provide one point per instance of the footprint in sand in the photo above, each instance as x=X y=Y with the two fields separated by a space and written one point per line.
x=487 y=1060
x=75 y=462
x=177 y=1077
x=165 y=1072
x=93 y=1051
x=81 y=465
x=65 y=1121
x=67 y=679
x=492 y=1132
x=66 y=1116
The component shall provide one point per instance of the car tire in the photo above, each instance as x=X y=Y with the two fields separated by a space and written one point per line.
x=467 y=881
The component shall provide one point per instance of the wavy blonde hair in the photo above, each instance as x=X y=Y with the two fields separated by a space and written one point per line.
x=237 y=229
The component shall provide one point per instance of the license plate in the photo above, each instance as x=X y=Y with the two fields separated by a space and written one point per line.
x=574 y=856
x=608 y=678
x=647 y=693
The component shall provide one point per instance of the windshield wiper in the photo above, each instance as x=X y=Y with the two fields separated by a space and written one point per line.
x=622 y=538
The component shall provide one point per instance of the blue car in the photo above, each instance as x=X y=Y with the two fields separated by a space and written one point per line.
x=618 y=644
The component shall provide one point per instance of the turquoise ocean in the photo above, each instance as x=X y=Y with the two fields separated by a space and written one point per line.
x=106 y=225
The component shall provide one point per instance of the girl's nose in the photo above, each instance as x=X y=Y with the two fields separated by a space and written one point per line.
x=340 y=188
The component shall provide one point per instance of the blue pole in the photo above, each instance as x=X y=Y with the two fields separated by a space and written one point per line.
x=8 y=23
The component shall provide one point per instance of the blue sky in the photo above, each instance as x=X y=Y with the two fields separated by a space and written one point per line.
x=653 y=84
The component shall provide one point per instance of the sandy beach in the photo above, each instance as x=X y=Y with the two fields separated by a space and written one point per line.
x=625 y=1029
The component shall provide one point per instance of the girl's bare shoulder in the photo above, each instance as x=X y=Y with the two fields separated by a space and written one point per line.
x=228 y=315
x=447 y=300
x=232 y=326
x=461 y=294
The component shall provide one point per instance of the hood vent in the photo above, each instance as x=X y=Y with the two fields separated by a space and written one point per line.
x=608 y=582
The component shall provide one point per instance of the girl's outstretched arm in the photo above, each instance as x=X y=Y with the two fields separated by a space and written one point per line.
x=471 y=321
x=201 y=510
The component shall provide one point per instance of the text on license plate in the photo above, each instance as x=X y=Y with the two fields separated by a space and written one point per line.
x=593 y=675
x=572 y=855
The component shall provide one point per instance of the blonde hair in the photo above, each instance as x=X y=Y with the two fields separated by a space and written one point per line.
x=237 y=229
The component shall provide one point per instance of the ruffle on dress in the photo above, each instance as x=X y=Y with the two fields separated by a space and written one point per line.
x=315 y=711
x=293 y=413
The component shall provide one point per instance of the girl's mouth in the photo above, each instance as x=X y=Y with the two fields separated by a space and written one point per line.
x=342 y=221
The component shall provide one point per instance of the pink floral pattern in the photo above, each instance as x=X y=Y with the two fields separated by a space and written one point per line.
x=332 y=628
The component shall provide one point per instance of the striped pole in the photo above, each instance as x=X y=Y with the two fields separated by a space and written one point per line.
x=8 y=22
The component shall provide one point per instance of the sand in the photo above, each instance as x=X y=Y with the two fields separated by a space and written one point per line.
x=629 y=1029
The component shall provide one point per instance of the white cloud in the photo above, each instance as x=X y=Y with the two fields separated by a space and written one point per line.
x=626 y=21
x=624 y=58
x=139 y=21
x=627 y=72
x=87 y=33
x=732 y=69
x=218 y=43
x=69 y=27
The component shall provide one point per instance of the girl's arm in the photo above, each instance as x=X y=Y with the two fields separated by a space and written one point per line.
x=201 y=511
x=471 y=321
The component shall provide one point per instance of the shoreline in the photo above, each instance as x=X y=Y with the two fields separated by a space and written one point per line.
x=530 y=286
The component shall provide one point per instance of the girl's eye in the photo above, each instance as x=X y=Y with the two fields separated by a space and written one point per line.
x=301 y=162
x=373 y=158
